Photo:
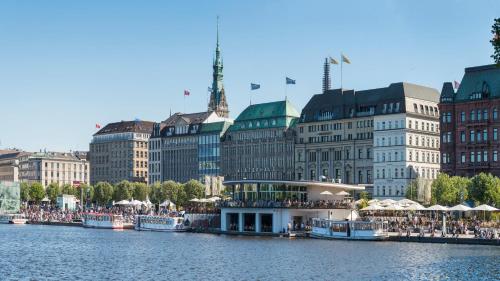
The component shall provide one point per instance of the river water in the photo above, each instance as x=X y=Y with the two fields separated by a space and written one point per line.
x=30 y=252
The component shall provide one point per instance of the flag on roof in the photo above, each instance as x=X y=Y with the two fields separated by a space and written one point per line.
x=333 y=61
x=254 y=86
x=345 y=59
x=456 y=85
x=290 y=81
x=186 y=93
x=97 y=126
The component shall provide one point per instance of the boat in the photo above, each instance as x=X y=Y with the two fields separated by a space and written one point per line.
x=13 y=219
x=352 y=230
x=159 y=223
x=107 y=221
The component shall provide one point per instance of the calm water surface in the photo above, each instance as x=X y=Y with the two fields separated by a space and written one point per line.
x=70 y=253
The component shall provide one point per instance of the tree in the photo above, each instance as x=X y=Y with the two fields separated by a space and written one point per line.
x=88 y=192
x=411 y=190
x=103 y=193
x=485 y=189
x=141 y=191
x=123 y=191
x=53 y=190
x=194 y=189
x=155 y=193
x=25 y=192
x=68 y=189
x=364 y=195
x=495 y=30
x=36 y=193
x=174 y=192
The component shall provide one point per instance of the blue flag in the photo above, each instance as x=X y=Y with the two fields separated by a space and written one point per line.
x=254 y=86
x=290 y=81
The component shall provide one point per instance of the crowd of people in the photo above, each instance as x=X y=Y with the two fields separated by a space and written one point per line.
x=287 y=203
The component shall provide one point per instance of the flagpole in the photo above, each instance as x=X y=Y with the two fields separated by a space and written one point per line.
x=286 y=88
x=341 y=64
x=184 y=103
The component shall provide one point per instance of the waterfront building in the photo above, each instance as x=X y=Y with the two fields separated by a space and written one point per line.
x=9 y=164
x=470 y=124
x=337 y=137
x=276 y=206
x=187 y=146
x=54 y=167
x=119 y=151
x=260 y=143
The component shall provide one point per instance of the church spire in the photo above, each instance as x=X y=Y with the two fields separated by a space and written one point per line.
x=218 y=101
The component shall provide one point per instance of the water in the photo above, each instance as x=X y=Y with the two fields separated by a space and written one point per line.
x=71 y=253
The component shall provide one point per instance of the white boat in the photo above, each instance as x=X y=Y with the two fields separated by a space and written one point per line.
x=13 y=219
x=108 y=221
x=159 y=223
x=354 y=230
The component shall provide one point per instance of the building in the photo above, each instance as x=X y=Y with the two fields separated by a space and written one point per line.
x=218 y=102
x=338 y=137
x=54 y=167
x=9 y=164
x=275 y=206
x=470 y=124
x=119 y=151
x=187 y=146
x=260 y=143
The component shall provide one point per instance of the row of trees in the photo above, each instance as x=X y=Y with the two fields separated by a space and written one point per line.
x=104 y=193
x=482 y=189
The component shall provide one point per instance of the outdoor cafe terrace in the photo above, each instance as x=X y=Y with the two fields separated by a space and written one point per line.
x=291 y=204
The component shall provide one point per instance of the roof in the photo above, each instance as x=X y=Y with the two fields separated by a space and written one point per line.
x=299 y=183
x=126 y=127
x=70 y=156
x=190 y=118
x=268 y=110
x=479 y=79
x=215 y=127
x=341 y=103
x=12 y=154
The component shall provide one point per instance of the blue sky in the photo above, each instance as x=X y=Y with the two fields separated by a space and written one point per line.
x=67 y=65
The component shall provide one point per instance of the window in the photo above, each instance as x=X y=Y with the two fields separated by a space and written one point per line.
x=495 y=134
x=472 y=115
x=485 y=135
x=472 y=158
x=485 y=156
x=485 y=114
x=312 y=156
x=360 y=154
x=495 y=113
x=479 y=114
x=462 y=136
x=368 y=153
x=495 y=155
x=462 y=157
x=471 y=139
x=462 y=116
x=324 y=156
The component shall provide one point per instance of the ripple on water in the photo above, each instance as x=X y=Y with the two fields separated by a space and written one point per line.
x=66 y=253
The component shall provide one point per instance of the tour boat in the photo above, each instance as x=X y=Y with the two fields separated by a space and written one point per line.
x=159 y=223
x=108 y=221
x=13 y=219
x=354 y=230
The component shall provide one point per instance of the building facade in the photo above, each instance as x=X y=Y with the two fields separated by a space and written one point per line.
x=119 y=151
x=54 y=167
x=337 y=137
x=470 y=123
x=260 y=143
x=186 y=146
x=9 y=164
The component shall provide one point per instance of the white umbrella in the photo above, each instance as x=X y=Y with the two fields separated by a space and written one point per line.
x=406 y=202
x=357 y=202
x=342 y=193
x=123 y=202
x=165 y=203
x=373 y=201
x=460 y=207
x=135 y=203
x=326 y=192
x=194 y=200
x=415 y=207
x=387 y=201
x=373 y=208
x=45 y=199
x=394 y=207
x=437 y=208
x=214 y=198
x=485 y=207
x=203 y=200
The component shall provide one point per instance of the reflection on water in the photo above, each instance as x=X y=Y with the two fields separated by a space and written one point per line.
x=71 y=253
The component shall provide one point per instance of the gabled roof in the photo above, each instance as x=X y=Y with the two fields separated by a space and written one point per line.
x=215 y=127
x=268 y=110
x=476 y=78
x=127 y=126
x=189 y=118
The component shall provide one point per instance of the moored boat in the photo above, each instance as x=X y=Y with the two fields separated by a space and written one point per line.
x=107 y=221
x=13 y=219
x=159 y=223
x=353 y=230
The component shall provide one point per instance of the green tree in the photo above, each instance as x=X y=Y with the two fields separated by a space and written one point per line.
x=141 y=191
x=53 y=190
x=495 y=30
x=155 y=193
x=122 y=191
x=485 y=189
x=36 y=193
x=461 y=185
x=411 y=190
x=88 y=192
x=68 y=189
x=364 y=195
x=103 y=193
x=174 y=192
x=25 y=192
x=194 y=189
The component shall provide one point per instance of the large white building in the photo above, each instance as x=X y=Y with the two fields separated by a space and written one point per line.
x=406 y=144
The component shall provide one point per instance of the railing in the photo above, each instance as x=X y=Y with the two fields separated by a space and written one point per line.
x=321 y=204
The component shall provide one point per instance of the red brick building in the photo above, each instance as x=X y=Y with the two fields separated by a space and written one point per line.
x=470 y=123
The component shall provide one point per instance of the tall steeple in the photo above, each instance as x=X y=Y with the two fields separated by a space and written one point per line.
x=326 y=76
x=218 y=101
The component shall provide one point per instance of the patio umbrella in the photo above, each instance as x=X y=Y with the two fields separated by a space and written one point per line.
x=460 y=208
x=194 y=200
x=415 y=207
x=373 y=201
x=123 y=202
x=45 y=199
x=214 y=198
x=394 y=207
x=437 y=208
x=326 y=192
x=135 y=203
x=342 y=193
x=165 y=203
x=406 y=202
x=485 y=207
x=387 y=201
x=373 y=208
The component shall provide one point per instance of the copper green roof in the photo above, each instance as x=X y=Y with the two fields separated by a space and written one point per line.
x=215 y=127
x=481 y=79
x=266 y=115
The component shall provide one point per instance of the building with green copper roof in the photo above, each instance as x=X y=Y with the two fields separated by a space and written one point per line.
x=260 y=143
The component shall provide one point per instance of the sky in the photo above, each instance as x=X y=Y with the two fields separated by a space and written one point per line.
x=68 y=65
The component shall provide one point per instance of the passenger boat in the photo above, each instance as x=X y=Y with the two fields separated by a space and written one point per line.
x=354 y=230
x=108 y=221
x=13 y=219
x=159 y=223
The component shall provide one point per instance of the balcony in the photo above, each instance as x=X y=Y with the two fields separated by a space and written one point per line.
x=286 y=204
